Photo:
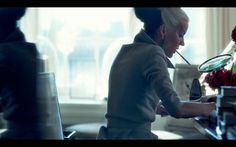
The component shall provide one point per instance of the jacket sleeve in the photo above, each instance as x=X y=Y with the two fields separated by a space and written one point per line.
x=156 y=73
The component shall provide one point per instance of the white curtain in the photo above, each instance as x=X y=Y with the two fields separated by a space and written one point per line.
x=220 y=23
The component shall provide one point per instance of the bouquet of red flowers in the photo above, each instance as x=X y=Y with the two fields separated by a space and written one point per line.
x=222 y=77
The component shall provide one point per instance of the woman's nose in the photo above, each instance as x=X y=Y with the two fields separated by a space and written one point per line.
x=182 y=42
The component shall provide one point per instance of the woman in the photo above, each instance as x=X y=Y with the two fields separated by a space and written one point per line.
x=18 y=70
x=139 y=78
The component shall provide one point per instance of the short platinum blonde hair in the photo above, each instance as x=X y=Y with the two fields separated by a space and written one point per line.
x=154 y=17
x=171 y=17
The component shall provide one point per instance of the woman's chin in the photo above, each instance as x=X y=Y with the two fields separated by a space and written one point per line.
x=170 y=55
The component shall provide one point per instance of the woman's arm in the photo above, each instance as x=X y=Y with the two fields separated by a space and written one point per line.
x=194 y=109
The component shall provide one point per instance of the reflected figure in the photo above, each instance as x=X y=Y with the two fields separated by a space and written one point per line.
x=18 y=70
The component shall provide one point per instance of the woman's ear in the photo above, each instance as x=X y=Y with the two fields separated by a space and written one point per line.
x=162 y=31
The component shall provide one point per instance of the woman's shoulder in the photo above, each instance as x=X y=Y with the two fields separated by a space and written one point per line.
x=18 y=48
x=152 y=49
x=144 y=46
x=17 y=45
x=145 y=49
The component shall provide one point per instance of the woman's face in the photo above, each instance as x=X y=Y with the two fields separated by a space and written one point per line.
x=174 y=37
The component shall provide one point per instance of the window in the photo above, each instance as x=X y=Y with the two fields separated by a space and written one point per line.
x=81 y=44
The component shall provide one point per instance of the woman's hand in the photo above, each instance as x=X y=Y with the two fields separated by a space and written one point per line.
x=209 y=98
x=161 y=109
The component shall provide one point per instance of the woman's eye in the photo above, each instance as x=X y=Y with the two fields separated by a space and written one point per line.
x=181 y=35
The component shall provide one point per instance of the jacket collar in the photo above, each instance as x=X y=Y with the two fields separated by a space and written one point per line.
x=143 y=37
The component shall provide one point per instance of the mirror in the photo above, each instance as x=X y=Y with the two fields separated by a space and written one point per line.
x=215 y=63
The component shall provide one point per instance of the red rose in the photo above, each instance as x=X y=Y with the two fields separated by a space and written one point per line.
x=233 y=35
x=225 y=77
x=234 y=79
x=221 y=77
x=212 y=80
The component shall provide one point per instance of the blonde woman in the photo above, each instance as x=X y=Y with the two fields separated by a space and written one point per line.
x=139 y=78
